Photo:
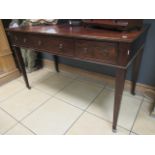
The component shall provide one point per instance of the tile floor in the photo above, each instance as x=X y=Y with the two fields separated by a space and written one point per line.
x=67 y=103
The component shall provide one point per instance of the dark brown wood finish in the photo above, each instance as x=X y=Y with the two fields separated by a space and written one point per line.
x=56 y=62
x=117 y=24
x=135 y=71
x=21 y=65
x=96 y=51
x=119 y=86
x=80 y=32
x=106 y=47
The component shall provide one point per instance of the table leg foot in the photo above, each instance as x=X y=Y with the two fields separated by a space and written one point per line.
x=28 y=87
x=133 y=93
x=114 y=130
x=119 y=87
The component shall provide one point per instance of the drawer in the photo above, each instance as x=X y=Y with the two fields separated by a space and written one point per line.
x=96 y=51
x=55 y=45
x=65 y=46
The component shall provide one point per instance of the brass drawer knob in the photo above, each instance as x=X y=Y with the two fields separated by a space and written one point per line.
x=60 y=46
x=24 y=40
x=85 y=50
x=39 y=42
x=106 y=52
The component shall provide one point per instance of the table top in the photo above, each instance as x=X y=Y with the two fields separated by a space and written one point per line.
x=82 y=32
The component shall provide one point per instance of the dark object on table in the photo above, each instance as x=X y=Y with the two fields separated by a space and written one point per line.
x=74 y=22
x=115 y=24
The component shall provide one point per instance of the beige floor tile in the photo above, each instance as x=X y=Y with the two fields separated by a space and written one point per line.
x=132 y=133
x=80 y=94
x=145 y=124
x=9 y=89
x=6 y=121
x=147 y=99
x=126 y=92
x=136 y=96
x=36 y=77
x=68 y=74
x=53 y=84
x=92 y=125
x=103 y=107
x=19 y=130
x=24 y=102
x=92 y=80
x=54 y=117
x=149 y=96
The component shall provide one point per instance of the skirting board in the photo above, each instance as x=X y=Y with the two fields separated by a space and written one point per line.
x=140 y=88
x=7 y=77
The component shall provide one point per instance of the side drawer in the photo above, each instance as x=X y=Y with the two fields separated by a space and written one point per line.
x=96 y=51
x=52 y=44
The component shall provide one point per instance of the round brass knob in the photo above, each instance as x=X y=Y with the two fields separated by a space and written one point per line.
x=39 y=42
x=85 y=50
x=60 y=46
x=25 y=40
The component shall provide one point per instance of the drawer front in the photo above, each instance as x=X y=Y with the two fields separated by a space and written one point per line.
x=96 y=51
x=65 y=47
x=55 y=45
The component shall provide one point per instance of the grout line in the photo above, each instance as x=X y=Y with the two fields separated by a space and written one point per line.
x=106 y=120
x=42 y=91
x=90 y=112
x=134 y=133
x=103 y=87
x=125 y=93
x=118 y=118
x=43 y=104
x=9 y=114
x=68 y=103
x=66 y=85
x=93 y=113
x=137 y=114
x=36 y=108
x=77 y=106
x=73 y=123
x=27 y=128
x=5 y=132
x=17 y=122
x=83 y=111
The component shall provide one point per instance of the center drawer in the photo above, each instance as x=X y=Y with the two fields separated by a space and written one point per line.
x=52 y=44
x=96 y=51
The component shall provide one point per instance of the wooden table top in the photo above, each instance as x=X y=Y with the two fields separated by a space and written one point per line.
x=82 y=32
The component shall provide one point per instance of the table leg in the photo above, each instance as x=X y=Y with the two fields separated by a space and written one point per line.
x=119 y=87
x=21 y=65
x=56 y=62
x=135 y=71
